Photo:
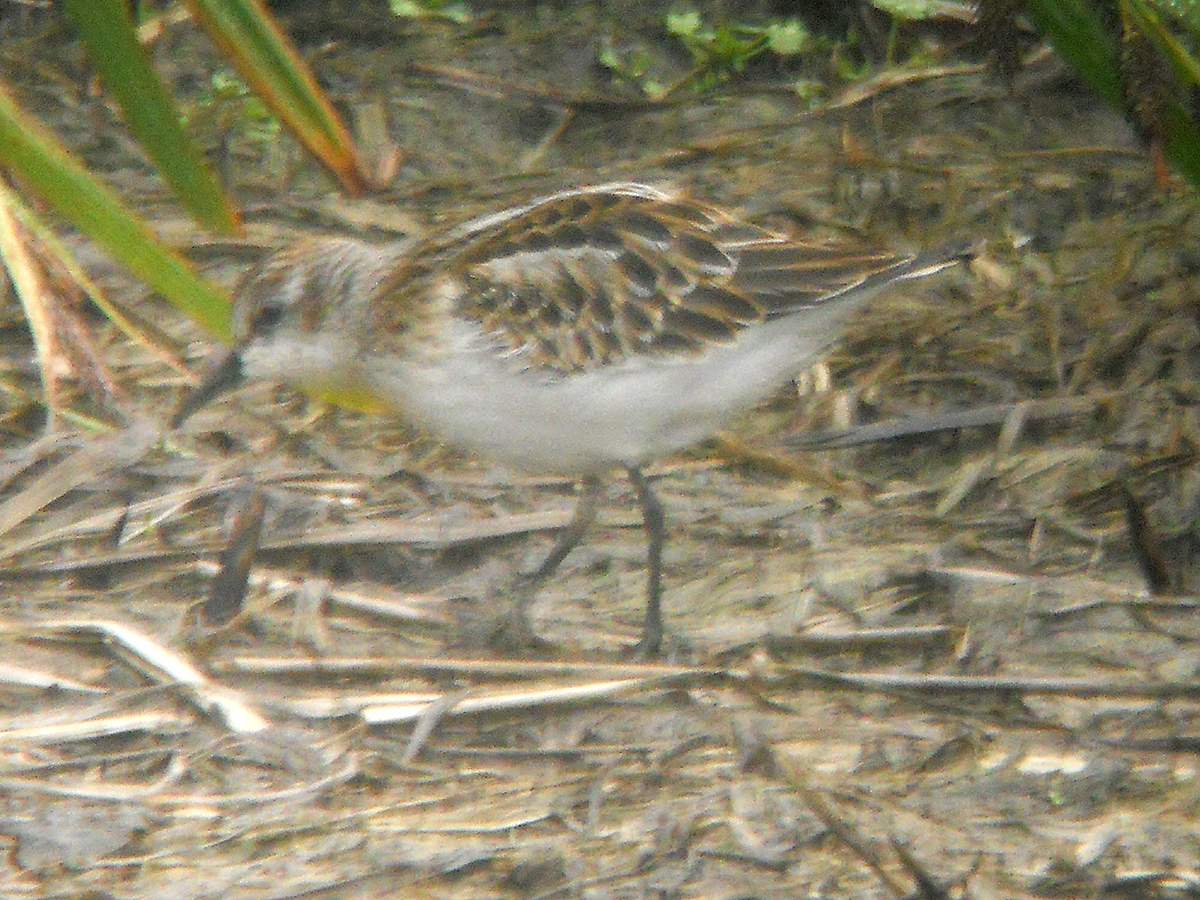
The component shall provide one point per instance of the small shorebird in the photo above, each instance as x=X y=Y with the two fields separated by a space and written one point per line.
x=588 y=330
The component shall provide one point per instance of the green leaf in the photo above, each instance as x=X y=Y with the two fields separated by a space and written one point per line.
x=32 y=154
x=1077 y=33
x=1186 y=11
x=788 y=38
x=431 y=9
x=1181 y=58
x=263 y=55
x=683 y=22
x=113 y=48
x=1082 y=35
x=912 y=10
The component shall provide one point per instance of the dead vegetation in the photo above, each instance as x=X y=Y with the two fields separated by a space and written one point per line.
x=922 y=660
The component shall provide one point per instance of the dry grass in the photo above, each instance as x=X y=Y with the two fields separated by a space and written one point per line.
x=921 y=666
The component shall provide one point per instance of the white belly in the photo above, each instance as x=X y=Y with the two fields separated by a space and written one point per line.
x=620 y=415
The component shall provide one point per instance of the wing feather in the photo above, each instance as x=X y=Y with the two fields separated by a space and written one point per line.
x=589 y=278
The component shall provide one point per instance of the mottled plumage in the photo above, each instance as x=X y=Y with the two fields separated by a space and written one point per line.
x=588 y=278
x=592 y=329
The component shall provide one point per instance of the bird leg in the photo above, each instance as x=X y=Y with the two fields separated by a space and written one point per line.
x=513 y=629
x=569 y=538
x=654 y=520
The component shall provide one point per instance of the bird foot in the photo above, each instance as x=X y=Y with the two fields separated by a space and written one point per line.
x=510 y=634
x=506 y=634
x=660 y=647
x=647 y=649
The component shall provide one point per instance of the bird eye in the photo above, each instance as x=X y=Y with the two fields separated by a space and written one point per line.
x=266 y=319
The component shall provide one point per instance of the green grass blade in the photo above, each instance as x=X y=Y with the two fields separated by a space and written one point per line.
x=1075 y=29
x=34 y=156
x=264 y=56
x=113 y=48
x=1078 y=29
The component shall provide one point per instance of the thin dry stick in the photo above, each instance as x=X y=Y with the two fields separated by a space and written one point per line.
x=27 y=278
x=838 y=827
x=165 y=665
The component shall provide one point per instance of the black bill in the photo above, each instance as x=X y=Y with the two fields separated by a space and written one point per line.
x=227 y=375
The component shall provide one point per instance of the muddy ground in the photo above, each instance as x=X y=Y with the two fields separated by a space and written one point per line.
x=922 y=664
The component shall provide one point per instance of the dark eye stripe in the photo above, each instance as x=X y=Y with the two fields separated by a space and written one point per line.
x=266 y=318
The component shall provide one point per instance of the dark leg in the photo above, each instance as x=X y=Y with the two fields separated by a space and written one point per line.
x=569 y=538
x=512 y=631
x=655 y=523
